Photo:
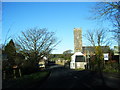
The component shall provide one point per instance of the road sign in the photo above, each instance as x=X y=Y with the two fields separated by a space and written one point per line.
x=106 y=57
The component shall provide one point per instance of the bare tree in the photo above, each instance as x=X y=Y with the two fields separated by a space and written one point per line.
x=106 y=10
x=109 y=11
x=7 y=37
x=98 y=39
x=36 y=42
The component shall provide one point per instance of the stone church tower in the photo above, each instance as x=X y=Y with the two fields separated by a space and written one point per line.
x=78 y=60
x=77 y=40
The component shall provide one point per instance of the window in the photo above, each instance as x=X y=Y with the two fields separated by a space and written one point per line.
x=80 y=59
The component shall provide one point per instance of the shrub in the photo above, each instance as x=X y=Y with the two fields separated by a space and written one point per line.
x=111 y=66
x=28 y=68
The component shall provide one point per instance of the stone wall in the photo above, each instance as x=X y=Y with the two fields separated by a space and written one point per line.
x=77 y=40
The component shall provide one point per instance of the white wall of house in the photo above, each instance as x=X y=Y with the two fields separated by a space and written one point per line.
x=74 y=64
x=80 y=65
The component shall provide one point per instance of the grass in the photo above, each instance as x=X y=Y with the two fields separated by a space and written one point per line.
x=79 y=69
x=27 y=81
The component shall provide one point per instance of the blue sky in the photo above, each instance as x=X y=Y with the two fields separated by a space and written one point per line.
x=60 y=17
x=59 y=0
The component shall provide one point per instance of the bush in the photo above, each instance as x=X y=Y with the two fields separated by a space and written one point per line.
x=28 y=68
x=111 y=67
x=27 y=81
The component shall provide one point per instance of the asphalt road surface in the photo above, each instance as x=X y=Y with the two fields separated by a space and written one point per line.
x=61 y=77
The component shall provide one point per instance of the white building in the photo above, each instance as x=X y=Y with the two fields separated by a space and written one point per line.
x=78 y=60
x=42 y=62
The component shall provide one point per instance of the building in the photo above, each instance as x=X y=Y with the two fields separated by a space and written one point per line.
x=61 y=61
x=89 y=50
x=78 y=59
x=117 y=53
x=77 y=40
x=42 y=63
x=116 y=50
x=82 y=54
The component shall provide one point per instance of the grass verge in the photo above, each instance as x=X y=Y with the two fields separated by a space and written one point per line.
x=27 y=81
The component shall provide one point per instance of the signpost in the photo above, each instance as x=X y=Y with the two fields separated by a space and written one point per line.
x=106 y=57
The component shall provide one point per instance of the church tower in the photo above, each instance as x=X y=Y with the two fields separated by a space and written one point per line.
x=77 y=40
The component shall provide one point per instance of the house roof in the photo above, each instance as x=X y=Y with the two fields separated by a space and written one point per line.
x=91 y=49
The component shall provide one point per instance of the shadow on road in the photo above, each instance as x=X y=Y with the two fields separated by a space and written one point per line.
x=62 y=77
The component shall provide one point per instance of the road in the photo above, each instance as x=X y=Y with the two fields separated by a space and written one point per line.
x=61 y=77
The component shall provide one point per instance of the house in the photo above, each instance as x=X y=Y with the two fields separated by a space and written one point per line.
x=117 y=53
x=81 y=59
x=90 y=49
x=78 y=60
x=61 y=61
x=42 y=62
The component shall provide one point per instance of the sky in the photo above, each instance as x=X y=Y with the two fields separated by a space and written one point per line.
x=59 y=17
x=60 y=0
